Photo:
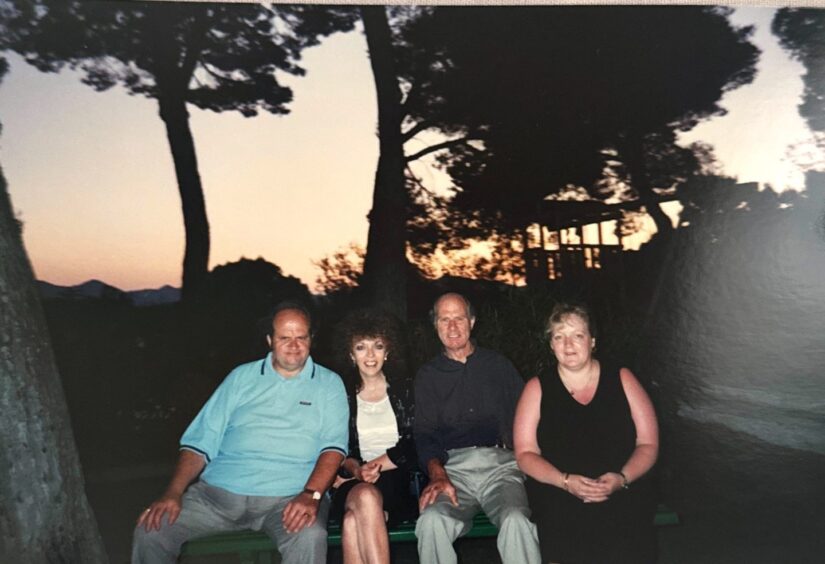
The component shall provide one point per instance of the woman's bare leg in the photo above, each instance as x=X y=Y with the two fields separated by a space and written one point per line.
x=349 y=539
x=364 y=507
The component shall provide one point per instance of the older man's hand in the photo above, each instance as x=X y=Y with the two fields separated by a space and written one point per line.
x=152 y=516
x=436 y=487
x=299 y=513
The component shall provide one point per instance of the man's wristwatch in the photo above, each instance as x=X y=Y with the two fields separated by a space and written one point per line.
x=316 y=495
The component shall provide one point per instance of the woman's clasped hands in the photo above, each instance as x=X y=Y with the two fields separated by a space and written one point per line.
x=370 y=472
x=591 y=490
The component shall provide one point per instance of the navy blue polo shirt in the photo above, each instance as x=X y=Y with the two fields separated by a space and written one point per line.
x=465 y=404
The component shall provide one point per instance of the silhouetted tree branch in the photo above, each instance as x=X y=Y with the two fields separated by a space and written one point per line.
x=416 y=129
x=438 y=147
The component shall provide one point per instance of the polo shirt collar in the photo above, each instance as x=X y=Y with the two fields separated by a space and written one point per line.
x=446 y=358
x=306 y=373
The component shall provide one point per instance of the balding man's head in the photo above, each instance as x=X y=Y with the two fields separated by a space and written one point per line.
x=290 y=338
x=454 y=318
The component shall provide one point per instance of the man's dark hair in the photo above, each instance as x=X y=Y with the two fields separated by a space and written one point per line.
x=289 y=305
x=471 y=312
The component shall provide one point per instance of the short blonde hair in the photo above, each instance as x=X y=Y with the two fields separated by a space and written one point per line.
x=562 y=310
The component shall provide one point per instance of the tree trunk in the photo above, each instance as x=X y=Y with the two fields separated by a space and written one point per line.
x=633 y=153
x=44 y=514
x=196 y=255
x=385 y=264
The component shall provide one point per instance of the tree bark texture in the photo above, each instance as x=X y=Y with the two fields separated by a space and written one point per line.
x=196 y=255
x=44 y=514
x=385 y=264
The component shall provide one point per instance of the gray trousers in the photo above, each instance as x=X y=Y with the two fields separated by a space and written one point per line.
x=207 y=509
x=486 y=479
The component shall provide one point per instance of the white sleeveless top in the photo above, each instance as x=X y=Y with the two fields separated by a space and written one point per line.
x=377 y=427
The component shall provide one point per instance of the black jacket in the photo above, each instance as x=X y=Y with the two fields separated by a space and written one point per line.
x=403 y=454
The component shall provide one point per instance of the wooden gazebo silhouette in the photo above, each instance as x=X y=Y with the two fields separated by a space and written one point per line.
x=574 y=238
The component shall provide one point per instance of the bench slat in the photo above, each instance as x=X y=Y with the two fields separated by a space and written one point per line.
x=246 y=542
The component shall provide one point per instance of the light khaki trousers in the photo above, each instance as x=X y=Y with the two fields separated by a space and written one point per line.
x=485 y=479
x=207 y=510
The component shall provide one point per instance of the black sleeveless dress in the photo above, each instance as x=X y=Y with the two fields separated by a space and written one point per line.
x=590 y=440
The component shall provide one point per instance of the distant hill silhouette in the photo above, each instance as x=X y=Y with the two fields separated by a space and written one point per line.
x=164 y=295
x=98 y=290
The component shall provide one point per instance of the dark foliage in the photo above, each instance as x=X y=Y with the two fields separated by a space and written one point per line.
x=565 y=92
x=216 y=56
x=563 y=96
x=802 y=32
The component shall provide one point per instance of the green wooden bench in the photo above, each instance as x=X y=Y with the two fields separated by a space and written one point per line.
x=255 y=547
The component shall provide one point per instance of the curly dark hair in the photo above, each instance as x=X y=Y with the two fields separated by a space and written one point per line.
x=366 y=324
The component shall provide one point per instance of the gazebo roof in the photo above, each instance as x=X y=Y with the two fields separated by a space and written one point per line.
x=560 y=214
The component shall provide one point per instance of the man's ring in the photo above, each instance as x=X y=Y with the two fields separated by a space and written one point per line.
x=148 y=509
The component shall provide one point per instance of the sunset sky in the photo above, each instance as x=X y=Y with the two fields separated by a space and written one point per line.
x=91 y=176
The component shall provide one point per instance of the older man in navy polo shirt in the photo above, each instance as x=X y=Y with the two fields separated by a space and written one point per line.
x=465 y=401
x=266 y=445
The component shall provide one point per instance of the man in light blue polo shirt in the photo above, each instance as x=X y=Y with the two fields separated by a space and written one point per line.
x=267 y=445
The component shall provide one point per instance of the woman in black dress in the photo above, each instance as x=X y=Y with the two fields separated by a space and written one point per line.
x=373 y=484
x=586 y=436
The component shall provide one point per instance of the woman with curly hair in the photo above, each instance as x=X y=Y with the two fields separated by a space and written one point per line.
x=373 y=484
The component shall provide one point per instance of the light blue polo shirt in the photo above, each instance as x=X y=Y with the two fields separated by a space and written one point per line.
x=261 y=433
